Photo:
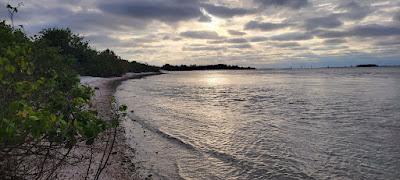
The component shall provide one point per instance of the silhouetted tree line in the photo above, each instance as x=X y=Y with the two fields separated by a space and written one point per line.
x=367 y=65
x=169 y=67
x=86 y=60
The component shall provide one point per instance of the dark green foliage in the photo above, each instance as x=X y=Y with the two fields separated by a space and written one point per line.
x=44 y=108
x=85 y=60
x=9 y=36
x=41 y=95
x=169 y=67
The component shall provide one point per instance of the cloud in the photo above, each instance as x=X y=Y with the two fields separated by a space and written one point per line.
x=231 y=41
x=205 y=18
x=323 y=22
x=335 y=41
x=203 y=48
x=263 y=26
x=236 y=33
x=396 y=17
x=104 y=41
x=294 y=4
x=200 y=34
x=388 y=43
x=85 y=21
x=287 y=45
x=371 y=30
x=353 y=10
x=226 y=12
x=295 y=36
x=258 y=39
x=233 y=29
x=163 y=10
x=241 y=46
x=236 y=40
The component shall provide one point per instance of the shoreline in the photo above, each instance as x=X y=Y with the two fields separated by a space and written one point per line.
x=119 y=166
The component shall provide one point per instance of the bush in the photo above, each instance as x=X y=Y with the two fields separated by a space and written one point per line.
x=44 y=109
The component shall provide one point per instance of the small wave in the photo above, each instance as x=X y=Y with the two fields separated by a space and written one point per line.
x=240 y=163
x=163 y=134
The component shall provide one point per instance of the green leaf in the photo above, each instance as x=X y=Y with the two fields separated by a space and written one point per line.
x=10 y=68
x=33 y=118
x=123 y=108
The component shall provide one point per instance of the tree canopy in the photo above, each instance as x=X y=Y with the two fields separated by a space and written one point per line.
x=86 y=60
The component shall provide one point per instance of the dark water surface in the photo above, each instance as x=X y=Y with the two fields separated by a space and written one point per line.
x=338 y=123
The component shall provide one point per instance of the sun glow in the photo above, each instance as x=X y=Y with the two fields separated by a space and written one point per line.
x=215 y=24
x=215 y=79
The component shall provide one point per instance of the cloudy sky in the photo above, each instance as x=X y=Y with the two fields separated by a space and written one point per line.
x=261 y=33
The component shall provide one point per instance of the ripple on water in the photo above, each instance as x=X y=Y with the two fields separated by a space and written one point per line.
x=287 y=124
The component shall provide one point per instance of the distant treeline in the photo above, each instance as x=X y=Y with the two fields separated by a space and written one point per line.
x=86 y=60
x=169 y=67
x=367 y=65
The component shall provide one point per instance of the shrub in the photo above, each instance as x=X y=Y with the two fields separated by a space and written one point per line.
x=44 y=110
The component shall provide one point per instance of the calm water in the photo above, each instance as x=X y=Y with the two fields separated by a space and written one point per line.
x=267 y=124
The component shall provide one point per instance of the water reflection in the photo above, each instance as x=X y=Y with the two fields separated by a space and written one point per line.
x=329 y=123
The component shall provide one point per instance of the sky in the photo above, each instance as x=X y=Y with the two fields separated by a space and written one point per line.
x=259 y=33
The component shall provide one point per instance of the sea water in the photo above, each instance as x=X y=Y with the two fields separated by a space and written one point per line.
x=329 y=123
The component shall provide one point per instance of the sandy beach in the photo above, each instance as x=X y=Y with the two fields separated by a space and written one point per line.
x=119 y=165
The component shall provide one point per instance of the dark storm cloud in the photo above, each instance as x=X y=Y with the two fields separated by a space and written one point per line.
x=264 y=26
x=200 y=34
x=236 y=33
x=292 y=37
x=163 y=10
x=323 y=22
x=226 y=12
x=294 y=4
x=371 y=30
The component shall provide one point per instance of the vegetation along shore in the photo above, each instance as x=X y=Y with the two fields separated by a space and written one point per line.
x=51 y=127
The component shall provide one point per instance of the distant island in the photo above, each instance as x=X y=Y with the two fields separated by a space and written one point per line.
x=367 y=65
x=169 y=67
